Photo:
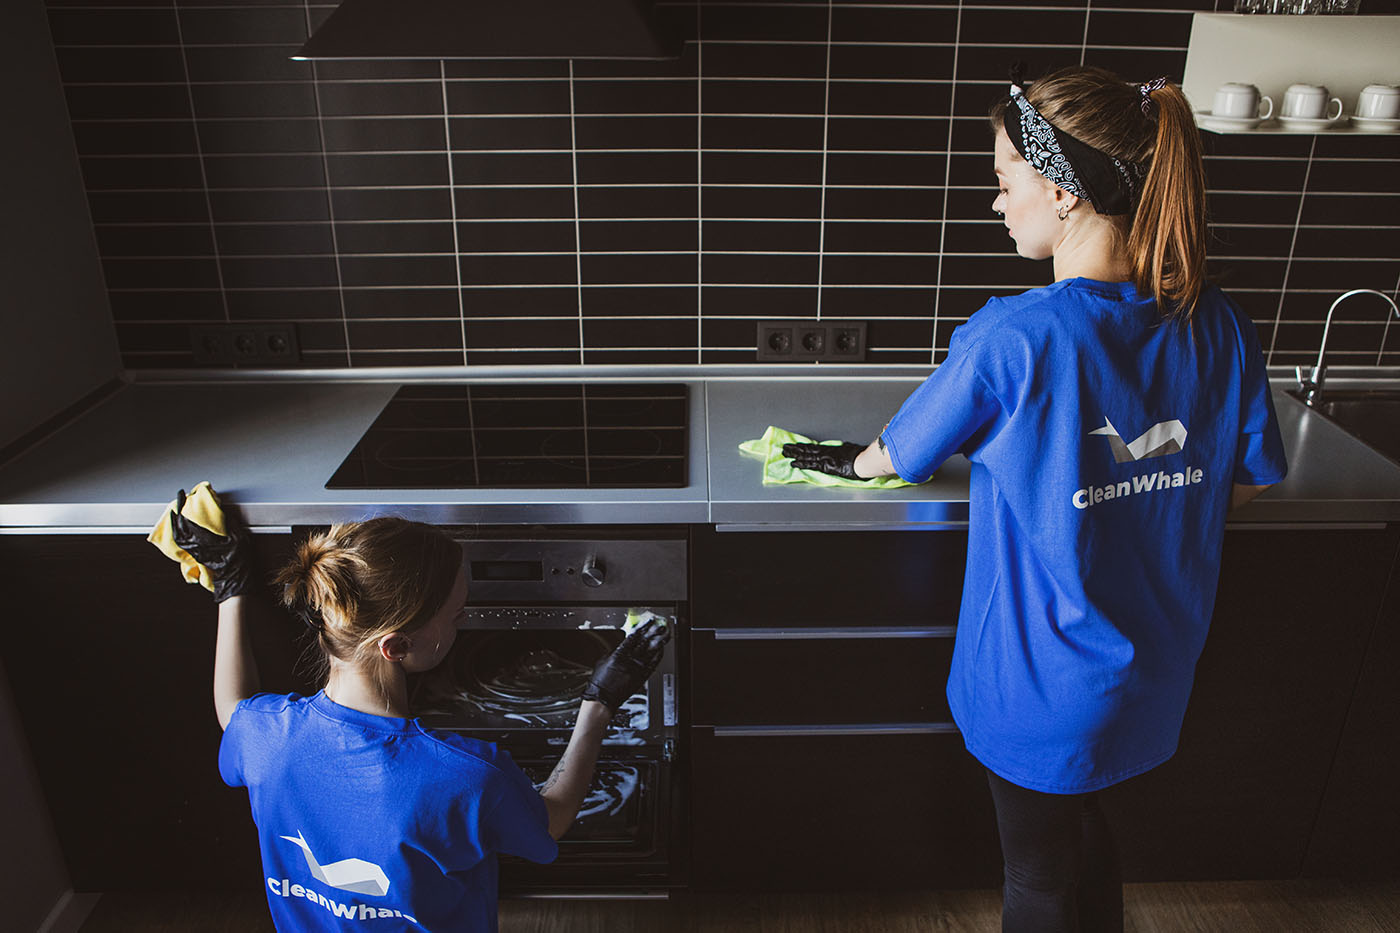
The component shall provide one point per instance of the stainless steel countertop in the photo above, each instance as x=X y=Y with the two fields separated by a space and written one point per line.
x=271 y=440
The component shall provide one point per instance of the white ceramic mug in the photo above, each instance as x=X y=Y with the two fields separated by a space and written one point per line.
x=1379 y=102
x=1241 y=102
x=1310 y=102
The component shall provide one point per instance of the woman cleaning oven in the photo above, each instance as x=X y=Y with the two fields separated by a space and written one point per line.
x=1111 y=419
x=365 y=818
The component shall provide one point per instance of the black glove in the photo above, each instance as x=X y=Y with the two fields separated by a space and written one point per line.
x=623 y=672
x=836 y=459
x=228 y=558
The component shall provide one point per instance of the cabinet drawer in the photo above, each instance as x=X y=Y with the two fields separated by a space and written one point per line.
x=757 y=676
x=840 y=812
x=772 y=579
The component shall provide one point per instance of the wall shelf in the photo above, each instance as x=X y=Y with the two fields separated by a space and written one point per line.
x=1342 y=53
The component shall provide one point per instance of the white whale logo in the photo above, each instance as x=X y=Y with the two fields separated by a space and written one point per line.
x=1165 y=437
x=351 y=874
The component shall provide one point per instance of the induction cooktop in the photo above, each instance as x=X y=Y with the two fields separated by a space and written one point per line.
x=555 y=436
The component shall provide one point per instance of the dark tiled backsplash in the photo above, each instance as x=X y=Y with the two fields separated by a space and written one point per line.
x=803 y=159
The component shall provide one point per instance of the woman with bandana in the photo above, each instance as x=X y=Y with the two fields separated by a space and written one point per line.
x=1111 y=419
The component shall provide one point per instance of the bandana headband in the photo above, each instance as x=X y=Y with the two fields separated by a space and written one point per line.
x=1111 y=185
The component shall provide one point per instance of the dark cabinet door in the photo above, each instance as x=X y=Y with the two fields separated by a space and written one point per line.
x=112 y=679
x=827 y=810
x=1272 y=689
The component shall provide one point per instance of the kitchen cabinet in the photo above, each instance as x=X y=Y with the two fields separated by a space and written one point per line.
x=110 y=658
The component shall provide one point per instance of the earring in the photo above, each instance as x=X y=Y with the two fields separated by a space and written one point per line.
x=1063 y=212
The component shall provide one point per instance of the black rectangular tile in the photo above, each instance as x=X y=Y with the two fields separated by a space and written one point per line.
x=603 y=202
x=973 y=135
x=971 y=169
x=1139 y=64
x=264 y=206
x=481 y=303
x=653 y=357
x=1357 y=145
x=663 y=132
x=1344 y=273
x=1276 y=174
x=904 y=62
x=114 y=26
x=121 y=65
x=993 y=62
x=303 y=305
x=1372 y=242
x=142 y=337
x=847 y=236
x=504 y=68
x=763 y=61
x=211 y=63
x=513 y=168
x=875 y=269
x=755 y=22
x=428 y=236
x=960 y=303
x=1260 y=208
x=540 y=333
x=924 y=134
x=884 y=203
x=279 y=272
x=758 y=301
x=120 y=138
x=971 y=203
x=514 y=203
x=1335 y=175
x=1256 y=145
x=901 y=168
x=174 y=306
x=992 y=270
x=354 y=134
x=1140 y=27
x=977 y=236
x=639 y=332
x=683 y=67
x=381 y=70
x=148 y=207
x=875 y=24
x=1028 y=26
x=276 y=239
x=402 y=358
x=762 y=203
x=778 y=168
x=259 y=136
x=542 y=98
x=908 y=334
x=594 y=96
x=389 y=169
x=977 y=98
x=848 y=98
x=265 y=171
x=1261 y=242
x=633 y=168
x=890 y=302
x=730 y=333
x=759 y=269
x=123 y=240
x=171 y=272
x=1250 y=273
x=405 y=335
x=142 y=102
x=391 y=203
x=506 y=270
x=260 y=24
x=125 y=173
x=767 y=98
x=603 y=301
x=640 y=236
x=506 y=237
x=791 y=235
x=398 y=270
x=634 y=268
x=440 y=302
x=398 y=98
x=1350 y=209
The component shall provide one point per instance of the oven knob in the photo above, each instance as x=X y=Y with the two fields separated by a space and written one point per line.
x=593 y=571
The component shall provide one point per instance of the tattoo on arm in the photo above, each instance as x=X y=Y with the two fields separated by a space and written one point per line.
x=554 y=777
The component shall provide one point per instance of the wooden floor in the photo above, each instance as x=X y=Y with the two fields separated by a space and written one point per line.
x=1233 y=907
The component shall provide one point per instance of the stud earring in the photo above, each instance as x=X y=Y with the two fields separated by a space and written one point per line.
x=1063 y=212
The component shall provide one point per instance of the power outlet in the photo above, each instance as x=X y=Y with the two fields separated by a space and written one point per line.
x=811 y=341
x=244 y=344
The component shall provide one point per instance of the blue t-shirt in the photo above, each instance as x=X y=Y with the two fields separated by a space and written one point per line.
x=375 y=823
x=1104 y=444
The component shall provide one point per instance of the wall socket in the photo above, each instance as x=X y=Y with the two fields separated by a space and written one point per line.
x=244 y=344
x=811 y=341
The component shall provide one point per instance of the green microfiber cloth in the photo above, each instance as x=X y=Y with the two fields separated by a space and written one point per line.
x=778 y=469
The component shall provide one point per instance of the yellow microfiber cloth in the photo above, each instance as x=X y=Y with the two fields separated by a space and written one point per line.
x=202 y=508
x=778 y=469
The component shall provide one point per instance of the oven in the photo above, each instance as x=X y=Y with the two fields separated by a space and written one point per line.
x=543 y=608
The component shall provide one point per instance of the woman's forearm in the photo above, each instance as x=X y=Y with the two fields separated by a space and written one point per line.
x=235 y=671
x=568 y=784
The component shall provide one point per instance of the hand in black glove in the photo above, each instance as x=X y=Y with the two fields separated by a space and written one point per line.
x=228 y=558
x=623 y=672
x=836 y=459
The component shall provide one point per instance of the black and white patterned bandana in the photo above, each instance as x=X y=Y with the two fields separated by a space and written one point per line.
x=1111 y=185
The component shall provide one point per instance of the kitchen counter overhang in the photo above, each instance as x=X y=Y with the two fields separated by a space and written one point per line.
x=270 y=441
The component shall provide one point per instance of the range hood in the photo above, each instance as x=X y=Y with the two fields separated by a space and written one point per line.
x=395 y=29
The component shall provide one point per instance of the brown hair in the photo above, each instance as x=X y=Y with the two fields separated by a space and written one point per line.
x=360 y=581
x=1166 y=236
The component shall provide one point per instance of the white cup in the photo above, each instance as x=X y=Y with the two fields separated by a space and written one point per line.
x=1379 y=102
x=1309 y=102
x=1241 y=102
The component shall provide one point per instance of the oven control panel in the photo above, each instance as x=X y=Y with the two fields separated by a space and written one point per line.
x=617 y=571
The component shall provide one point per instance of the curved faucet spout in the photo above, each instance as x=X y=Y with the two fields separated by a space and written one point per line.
x=1311 y=384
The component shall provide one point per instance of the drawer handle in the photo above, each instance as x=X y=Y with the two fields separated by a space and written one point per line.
x=908 y=728
x=795 y=634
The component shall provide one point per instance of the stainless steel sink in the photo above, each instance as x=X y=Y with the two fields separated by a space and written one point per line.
x=1372 y=415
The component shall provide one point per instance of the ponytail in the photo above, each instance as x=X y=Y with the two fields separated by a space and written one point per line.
x=1167 y=241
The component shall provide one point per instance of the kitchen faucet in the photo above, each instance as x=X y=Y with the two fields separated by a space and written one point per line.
x=1311 y=384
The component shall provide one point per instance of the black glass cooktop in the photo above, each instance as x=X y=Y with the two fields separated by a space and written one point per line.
x=536 y=436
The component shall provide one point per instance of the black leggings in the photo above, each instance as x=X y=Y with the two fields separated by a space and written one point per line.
x=1061 y=867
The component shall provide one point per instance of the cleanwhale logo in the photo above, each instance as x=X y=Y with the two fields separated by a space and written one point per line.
x=1164 y=437
x=351 y=874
